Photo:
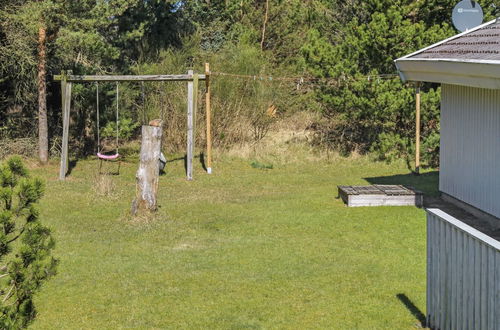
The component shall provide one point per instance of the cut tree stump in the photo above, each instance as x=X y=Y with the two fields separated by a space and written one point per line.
x=148 y=173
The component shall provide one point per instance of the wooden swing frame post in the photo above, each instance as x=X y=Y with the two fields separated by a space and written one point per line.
x=208 y=114
x=67 y=79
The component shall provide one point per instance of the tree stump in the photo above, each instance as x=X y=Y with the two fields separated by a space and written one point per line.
x=147 y=176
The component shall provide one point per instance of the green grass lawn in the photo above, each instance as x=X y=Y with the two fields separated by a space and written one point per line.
x=244 y=248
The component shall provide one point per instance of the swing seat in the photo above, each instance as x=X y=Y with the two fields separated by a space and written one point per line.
x=108 y=157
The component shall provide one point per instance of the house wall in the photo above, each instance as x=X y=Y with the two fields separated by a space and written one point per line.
x=470 y=146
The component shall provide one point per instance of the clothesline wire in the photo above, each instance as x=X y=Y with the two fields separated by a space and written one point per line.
x=304 y=79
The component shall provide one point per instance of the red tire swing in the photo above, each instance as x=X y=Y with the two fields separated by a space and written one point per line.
x=102 y=154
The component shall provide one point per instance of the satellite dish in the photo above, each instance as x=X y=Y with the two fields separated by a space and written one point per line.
x=467 y=14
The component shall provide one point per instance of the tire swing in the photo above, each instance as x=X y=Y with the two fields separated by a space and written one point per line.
x=102 y=153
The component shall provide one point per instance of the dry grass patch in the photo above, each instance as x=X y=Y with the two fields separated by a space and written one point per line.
x=104 y=186
x=287 y=141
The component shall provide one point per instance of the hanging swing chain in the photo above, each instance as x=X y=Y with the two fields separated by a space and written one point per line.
x=98 y=128
x=117 y=118
x=99 y=149
x=143 y=95
x=162 y=101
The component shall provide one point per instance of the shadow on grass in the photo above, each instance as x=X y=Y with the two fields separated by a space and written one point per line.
x=176 y=159
x=183 y=159
x=71 y=165
x=410 y=306
x=201 y=156
x=202 y=161
x=106 y=167
x=428 y=183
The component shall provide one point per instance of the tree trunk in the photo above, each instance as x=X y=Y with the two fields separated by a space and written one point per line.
x=149 y=170
x=43 y=131
x=266 y=15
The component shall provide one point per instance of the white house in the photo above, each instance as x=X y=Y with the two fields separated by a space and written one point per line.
x=463 y=268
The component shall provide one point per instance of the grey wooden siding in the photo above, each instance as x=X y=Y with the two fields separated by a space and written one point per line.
x=470 y=146
x=463 y=275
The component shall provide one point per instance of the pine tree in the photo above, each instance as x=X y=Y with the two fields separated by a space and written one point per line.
x=25 y=245
x=377 y=115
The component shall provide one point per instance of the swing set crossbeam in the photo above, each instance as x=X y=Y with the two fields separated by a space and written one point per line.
x=67 y=79
x=93 y=78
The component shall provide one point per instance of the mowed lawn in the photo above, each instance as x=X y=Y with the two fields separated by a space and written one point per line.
x=244 y=248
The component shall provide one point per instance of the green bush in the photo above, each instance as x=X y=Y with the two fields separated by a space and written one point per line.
x=127 y=129
x=369 y=110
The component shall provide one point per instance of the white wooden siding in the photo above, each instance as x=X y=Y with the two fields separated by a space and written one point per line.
x=463 y=275
x=470 y=146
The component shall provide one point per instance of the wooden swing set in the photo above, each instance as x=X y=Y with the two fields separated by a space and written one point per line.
x=192 y=79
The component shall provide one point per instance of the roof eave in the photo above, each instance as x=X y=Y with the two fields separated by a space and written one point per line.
x=474 y=73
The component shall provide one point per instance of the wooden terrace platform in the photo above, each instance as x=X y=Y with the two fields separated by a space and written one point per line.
x=380 y=195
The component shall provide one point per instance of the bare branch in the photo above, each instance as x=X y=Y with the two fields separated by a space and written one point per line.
x=9 y=294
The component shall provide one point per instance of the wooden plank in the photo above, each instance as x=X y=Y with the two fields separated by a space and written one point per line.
x=381 y=200
x=190 y=129
x=430 y=289
x=494 y=289
x=195 y=106
x=447 y=303
x=208 y=113
x=490 y=285
x=458 y=277
x=90 y=78
x=66 y=109
x=347 y=190
x=484 y=289
x=396 y=190
x=470 y=282
x=417 y=128
x=363 y=190
x=479 y=324
x=453 y=278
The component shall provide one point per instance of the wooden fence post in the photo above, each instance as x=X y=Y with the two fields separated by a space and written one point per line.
x=208 y=113
x=66 y=109
x=149 y=169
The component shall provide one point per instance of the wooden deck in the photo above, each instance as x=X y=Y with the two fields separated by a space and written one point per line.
x=380 y=195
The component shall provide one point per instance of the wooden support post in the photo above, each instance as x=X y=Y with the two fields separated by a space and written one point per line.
x=209 y=119
x=149 y=170
x=417 y=130
x=195 y=111
x=190 y=129
x=66 y=109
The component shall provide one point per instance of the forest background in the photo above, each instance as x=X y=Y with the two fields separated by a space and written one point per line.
x=338 y=55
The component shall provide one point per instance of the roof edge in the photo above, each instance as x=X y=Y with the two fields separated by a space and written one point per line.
x=454 y=60
x=446 y=40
